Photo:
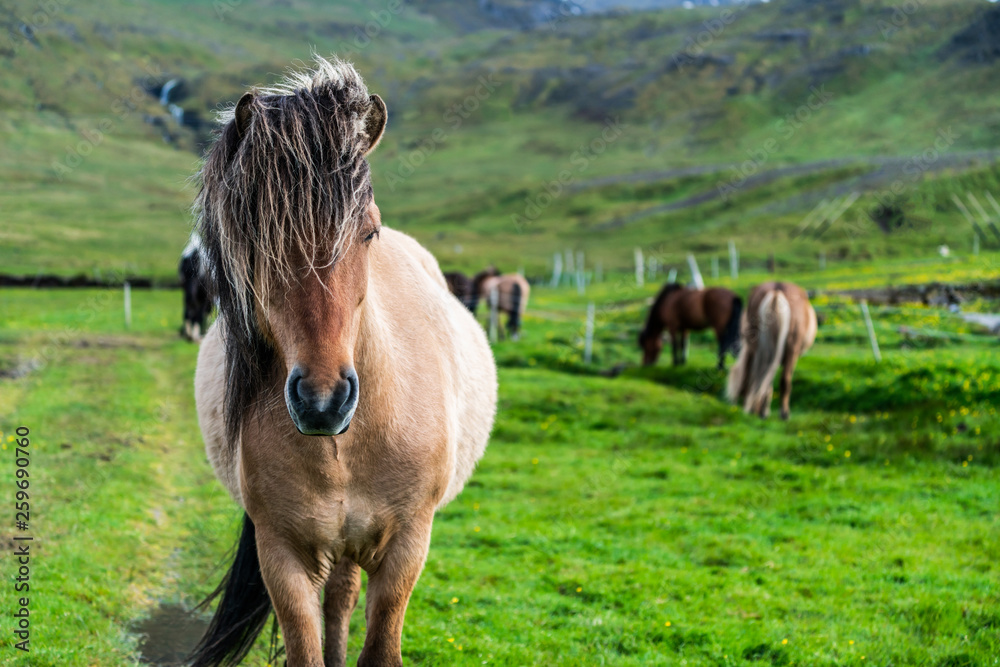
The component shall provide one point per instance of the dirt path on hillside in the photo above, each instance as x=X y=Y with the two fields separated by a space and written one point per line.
x=884 y=171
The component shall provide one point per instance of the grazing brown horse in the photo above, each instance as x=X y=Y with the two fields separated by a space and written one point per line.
x=460 y=285
x=778 y=327
x=511 y=291
x=328 y=320
x=680 y=309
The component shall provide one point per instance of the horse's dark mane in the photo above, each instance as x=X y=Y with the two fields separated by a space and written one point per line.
x=477 y=284
x=653 y=320
x=477 y=280
x=288 y=177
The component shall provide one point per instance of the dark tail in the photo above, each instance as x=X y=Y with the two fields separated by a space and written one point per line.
x=243 y=608
x=731 y=336
x=514 y=323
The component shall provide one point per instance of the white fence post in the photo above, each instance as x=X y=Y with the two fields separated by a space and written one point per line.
x=871 y=330
x=588 y=341
x=556 y=269
x=734 y=261
x=128 y=305
x=639 y=268
x=672 y=276
x=695 y=273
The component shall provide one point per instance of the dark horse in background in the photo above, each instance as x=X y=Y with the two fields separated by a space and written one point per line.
x=460 y=285
x=680 y=309
x=197 y=286
x=511 y=291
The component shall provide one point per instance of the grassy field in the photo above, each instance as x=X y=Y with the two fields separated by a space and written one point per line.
x=628 y=520
x=632 y=520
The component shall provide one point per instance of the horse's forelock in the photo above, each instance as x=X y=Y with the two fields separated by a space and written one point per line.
x=291 y=182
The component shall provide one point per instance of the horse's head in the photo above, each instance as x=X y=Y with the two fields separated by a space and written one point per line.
x=651 y=337
x=287 y=210
x=314 y=323
x=651 y=345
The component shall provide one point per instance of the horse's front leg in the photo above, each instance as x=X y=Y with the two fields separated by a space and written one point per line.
x=390 y=584
x=294 y=590
x=342 y=590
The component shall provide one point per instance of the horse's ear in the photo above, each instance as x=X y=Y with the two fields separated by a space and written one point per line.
x=243 y=116
x=375 y=122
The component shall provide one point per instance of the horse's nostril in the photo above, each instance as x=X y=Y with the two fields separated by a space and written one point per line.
x=296 y=390
x=344 y=392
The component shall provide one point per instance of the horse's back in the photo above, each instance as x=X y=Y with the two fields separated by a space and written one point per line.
x=422 y=255
x=803 y=324
x=446 y=338
x=717 y=305
x=512 y=290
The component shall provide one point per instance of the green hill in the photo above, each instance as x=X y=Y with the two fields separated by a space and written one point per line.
x=672 y=130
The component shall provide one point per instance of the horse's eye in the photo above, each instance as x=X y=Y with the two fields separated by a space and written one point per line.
x=372 y=235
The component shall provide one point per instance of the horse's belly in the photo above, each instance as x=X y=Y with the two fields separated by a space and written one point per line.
x=209 y=394
x=476 y=384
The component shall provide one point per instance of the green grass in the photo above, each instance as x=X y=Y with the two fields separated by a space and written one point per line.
x=631 y=520
x=864 y=531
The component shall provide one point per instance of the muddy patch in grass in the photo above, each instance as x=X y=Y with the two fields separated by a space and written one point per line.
x=168 y=635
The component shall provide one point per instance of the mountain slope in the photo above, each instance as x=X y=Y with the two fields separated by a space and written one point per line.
x=492 y=131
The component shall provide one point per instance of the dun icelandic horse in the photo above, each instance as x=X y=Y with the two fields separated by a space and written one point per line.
x=511 y=291
x=460 y=285
x=680 y=309
x=343 y=394
x=197 y=288
x=778 y=327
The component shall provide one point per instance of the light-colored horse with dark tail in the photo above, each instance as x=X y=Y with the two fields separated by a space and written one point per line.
x=779 y=326
x=511 y=292
x=344 y=395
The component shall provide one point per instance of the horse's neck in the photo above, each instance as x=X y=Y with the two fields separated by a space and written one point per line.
x=376 y=352
x=371 y=351
x=654 y=323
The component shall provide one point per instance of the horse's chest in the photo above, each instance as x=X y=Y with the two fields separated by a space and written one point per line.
x=347 y=502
